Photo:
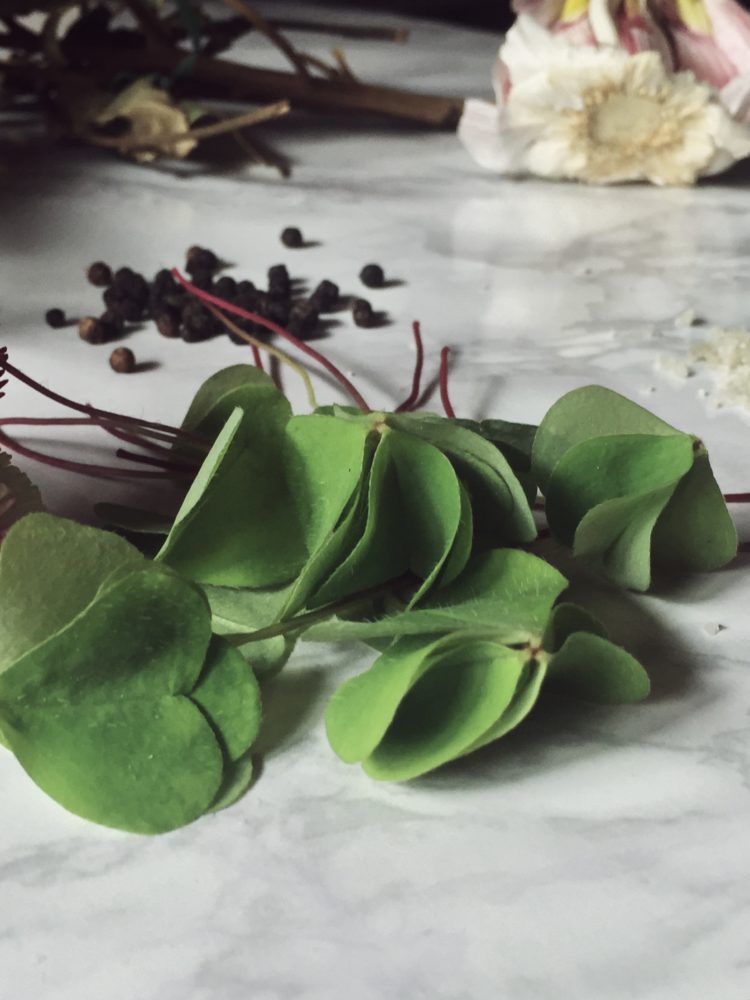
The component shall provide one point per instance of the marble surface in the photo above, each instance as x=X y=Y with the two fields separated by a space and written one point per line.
x=597 y=853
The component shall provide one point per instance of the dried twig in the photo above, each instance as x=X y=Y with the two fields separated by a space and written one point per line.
x=365 y=32
x=272 y=34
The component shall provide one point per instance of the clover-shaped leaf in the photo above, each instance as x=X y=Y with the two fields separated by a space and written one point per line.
x=113 y=696
x=628 y=492
x=500 y=506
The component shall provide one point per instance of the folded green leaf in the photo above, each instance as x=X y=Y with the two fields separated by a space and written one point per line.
x=592 y=668
x=238 y=525
x=500 y=505
x=506 y=594
x=585 y=413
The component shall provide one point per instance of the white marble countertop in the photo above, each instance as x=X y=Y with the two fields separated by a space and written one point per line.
x=597 y=853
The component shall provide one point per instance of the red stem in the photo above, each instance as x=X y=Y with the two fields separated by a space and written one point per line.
x=86 y=469
x=411 y=399
x=281 y=332
x=444 y=397
x=94 y=411
x=737 y=497
x=160 y=463
x=257 y=359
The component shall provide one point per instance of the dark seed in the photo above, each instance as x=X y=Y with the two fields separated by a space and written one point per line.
x=372 y=276
x=225 y=288
x=55 y=318
x=200 y=259
x=197 y=323
x=303 y=319
x=291 y=237
x=113 y=320
x=92 y=330
x=99 y=274
x=362 y=312
x=122 y=360
x=168 y=324
x=245 y=287
x=203 y=279
x=325 y=296
x=130 y=309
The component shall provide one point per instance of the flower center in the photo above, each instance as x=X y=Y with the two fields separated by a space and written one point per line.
x=629 y=121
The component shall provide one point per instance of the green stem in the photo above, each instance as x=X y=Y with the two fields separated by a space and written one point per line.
x=309 y=618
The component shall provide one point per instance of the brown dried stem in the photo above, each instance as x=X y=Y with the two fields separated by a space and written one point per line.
x=272 y=33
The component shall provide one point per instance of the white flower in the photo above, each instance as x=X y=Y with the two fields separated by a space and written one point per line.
x=598 y=114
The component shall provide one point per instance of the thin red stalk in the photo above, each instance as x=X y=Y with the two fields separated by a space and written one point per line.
x=737 y=497
x=411 y=399
x=141 y=442
x=94 y=411
x=257 y=359
x=444 y=397
x=161 y=463
x=86 y=469
x=49 y=421
x=281 y=332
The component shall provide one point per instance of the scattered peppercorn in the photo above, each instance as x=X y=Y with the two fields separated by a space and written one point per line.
x=99 y=274
x=200 y=259
x=372 y=276
x=168 y=323
x=303 y=319
x=113 y=320
x=55 y=318
x=225 y=288
x=203 y=278
x=362 y=312
x=122 y=360
x=291 y=237
x=197 y=323
x=92 y=330
x=325 y=296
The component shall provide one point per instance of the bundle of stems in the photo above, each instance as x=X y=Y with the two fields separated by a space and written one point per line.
x=78 y=54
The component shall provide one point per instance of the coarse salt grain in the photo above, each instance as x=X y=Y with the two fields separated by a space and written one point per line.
x=727 y=359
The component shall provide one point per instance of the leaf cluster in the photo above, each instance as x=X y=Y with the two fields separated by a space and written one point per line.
x=127 y=685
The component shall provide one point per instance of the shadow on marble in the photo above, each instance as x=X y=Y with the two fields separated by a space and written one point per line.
x=290 y=702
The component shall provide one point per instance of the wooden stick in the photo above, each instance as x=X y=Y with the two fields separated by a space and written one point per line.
x=272 y=33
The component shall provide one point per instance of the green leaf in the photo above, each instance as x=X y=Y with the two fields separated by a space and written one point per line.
x=592 y=668
x=229 y=696
x=524 y=698
x=382 y=551
x=99 y=715
x=51 y=569
x=589 y=412
x=242 y=386
x=505 y=593
x=695 y=532
x=460 y=551
x=18 y=495
x=324 y=459
x=606 y=468
x=500 y=507
x=238 y=525
x=566 y=619
x=420 y=705
x=238 y=777
x=235 y=611
x=514 y=440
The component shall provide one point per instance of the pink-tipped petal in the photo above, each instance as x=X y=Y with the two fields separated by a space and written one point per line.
x=702 y=56
x=731 y=27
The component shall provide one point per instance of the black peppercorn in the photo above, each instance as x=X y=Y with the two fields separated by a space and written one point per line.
x=362 y=312
x=372 y=276
x=291 y=237
x=325 y=296
x=203 y=278
x=99 y=274
x=197 y=323
x=55 y=318
x=92 y=330
x=200 y=259
x=112 y=320
x=303 y=319
x=128 y=308
x=168 y=323
x=225 y=288
x=122 y=360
